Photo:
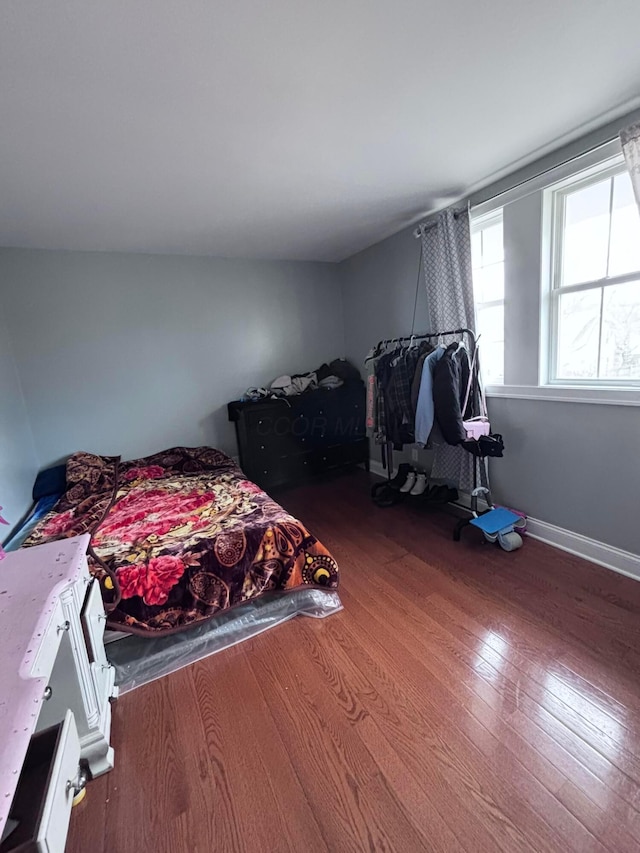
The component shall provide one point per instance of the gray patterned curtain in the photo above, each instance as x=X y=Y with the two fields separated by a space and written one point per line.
x=630 y=139
x=446 y=254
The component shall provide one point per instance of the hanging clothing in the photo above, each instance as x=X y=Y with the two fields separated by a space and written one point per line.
x=424 y=405
x=383 y=373
x=450 y=379
x=371 y=397
x=417 y=378
x=400 y=412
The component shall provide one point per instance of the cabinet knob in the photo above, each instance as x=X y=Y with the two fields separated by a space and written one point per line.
x=48 y=693
x=64 y=627
x=262 y=447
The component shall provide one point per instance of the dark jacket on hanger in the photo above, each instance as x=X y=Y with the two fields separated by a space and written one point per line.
x=450 y=380
x=400 y=412
x=383 y=373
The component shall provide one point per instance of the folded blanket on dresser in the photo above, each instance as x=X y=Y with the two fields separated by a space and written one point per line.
x=180 y=536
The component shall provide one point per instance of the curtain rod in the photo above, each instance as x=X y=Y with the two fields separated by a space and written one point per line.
x=428 y=225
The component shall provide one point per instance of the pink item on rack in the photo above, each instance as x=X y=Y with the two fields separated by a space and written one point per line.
x=475 y=427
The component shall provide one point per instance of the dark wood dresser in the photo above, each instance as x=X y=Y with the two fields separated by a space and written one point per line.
x=289 y=440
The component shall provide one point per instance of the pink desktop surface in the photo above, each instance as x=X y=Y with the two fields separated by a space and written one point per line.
x=31 y=579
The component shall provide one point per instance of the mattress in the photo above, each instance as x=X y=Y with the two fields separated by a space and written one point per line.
x=181 y=536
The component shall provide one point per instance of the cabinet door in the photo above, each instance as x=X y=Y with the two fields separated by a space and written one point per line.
x=93 y=622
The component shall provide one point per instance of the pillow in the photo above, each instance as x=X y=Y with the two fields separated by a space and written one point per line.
x=51 y=481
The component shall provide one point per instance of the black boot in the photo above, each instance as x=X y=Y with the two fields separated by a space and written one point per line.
x=401 y=477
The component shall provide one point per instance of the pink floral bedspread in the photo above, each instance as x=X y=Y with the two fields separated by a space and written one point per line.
x=180 y=536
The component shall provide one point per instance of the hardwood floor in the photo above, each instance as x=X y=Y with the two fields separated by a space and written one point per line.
x=465 y=699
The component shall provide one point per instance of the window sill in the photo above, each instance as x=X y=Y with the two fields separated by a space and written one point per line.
x=567 y=394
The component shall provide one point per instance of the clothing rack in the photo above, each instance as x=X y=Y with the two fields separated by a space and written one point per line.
x=387 y=449
x=421 y=336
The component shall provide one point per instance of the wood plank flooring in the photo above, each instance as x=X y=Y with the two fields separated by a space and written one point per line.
x=465 y=699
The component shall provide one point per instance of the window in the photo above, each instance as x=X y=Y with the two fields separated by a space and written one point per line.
x=487 y=254
x=594 y=308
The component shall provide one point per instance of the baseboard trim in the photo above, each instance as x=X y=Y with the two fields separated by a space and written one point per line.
x=623 y=562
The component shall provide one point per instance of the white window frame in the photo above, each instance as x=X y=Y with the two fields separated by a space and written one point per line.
x=479 y=223
x=554 y=197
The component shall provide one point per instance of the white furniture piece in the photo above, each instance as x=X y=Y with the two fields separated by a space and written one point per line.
x=55 y=687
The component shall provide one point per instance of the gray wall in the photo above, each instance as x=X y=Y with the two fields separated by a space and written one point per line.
x=379 y=294
x=572 y=465
x=18 y=464
x=129 y=354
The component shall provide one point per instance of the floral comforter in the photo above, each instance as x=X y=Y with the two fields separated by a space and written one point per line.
x=180 y=536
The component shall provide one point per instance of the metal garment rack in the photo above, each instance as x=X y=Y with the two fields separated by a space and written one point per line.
x=421 y=336
x=463 y=522
x=389 y=446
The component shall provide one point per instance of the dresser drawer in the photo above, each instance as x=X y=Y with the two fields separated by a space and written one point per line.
x=286 y=441
x=42 y=802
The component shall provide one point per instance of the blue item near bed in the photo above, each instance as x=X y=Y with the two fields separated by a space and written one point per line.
x=51 y=481
x=48 y=488
x=39 y=509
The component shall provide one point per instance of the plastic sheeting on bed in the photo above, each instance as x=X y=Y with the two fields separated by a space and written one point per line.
x=139 y=660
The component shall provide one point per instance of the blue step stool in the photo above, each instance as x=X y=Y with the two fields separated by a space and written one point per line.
x=495 y=521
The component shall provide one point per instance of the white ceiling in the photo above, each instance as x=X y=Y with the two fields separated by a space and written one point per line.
x=284 y=128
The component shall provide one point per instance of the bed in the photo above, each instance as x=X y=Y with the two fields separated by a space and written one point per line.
x=181 y=538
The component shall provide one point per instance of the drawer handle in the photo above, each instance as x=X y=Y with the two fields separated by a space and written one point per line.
x=48 y=693
x=64 y=627
x=102 y=617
